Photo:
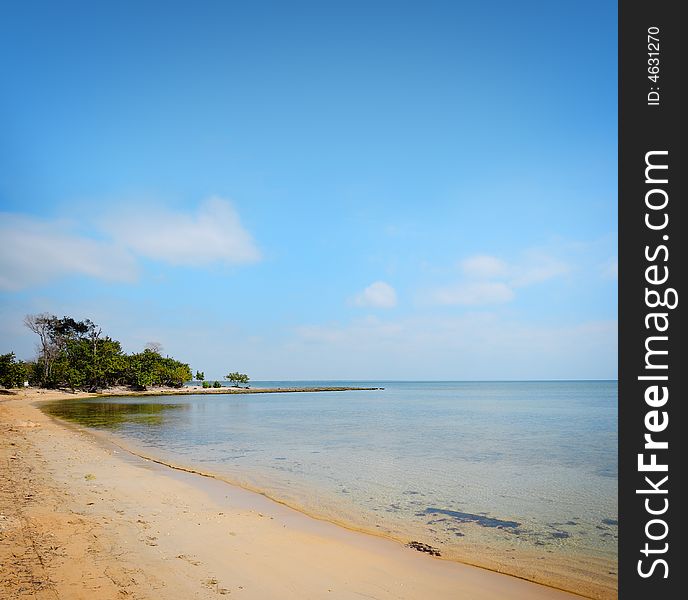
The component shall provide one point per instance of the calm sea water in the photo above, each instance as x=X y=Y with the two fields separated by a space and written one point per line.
x=478 y=469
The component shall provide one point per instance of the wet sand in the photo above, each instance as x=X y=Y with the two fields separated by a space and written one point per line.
x=81 y=518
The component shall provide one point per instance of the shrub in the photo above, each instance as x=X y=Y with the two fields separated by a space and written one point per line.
x=13 y=372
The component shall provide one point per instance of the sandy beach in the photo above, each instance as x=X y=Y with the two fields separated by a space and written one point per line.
x=82 y=518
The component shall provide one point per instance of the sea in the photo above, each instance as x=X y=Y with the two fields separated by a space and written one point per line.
x=518 y=477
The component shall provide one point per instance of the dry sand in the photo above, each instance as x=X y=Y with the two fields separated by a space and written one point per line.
x=81 y=518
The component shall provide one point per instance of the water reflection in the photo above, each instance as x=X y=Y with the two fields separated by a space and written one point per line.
x=112 y=415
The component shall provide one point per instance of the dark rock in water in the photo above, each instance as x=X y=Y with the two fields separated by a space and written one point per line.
x=610 y=521
x=463 y=517
x=560 y=535
x=421 y=547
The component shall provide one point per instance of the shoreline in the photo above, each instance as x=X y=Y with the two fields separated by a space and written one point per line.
x=454 y=576
x=107 y=439
x=117 y=392
x=197 y=390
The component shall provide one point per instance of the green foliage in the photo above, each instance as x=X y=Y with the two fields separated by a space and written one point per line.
x=139 y=372
x=237 y=378
x=149 y=368
x=206 y=384
x=75 y=354
x=13 y=372
x=217 y=384
x=200 y=376
x=54 y=335
x=89 y=364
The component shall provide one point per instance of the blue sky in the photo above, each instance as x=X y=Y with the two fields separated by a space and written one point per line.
x=397 y=190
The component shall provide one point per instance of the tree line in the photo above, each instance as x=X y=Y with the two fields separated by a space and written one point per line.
x=78 y=355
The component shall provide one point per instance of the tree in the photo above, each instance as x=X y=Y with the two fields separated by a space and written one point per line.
x=140 y=369
x=54 y=335
x=13 y=373
x=179 y=375
x=76 y=354
x=149 y=368
x=237 y=378
x=42 y=326
x=200 y=376
x=154 y=347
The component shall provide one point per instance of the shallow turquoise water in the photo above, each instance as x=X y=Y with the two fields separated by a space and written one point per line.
x=529 y=466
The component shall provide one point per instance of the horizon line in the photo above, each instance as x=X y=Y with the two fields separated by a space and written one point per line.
x=439 y=380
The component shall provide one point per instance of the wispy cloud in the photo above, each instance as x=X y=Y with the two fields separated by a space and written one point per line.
x=483 y=266
x=476 y=293
x=536 y=267
x=213 y=234
x=377 y=295
x=487 y=279
x=36 y=251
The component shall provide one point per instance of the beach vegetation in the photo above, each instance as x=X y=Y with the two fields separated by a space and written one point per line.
x=200 y=376
x=207 y=384
x=217 y=384
x=237 y=378
x=13 y=372
x=54 y=334
x=149 y=368
x=76 y=354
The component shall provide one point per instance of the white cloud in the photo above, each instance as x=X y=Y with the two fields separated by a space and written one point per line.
x=532 y=267
x=483 y=266
x=491 y=280
x=377 y=295
x=35 y=251
x=213 y=234
x=474 y=293
x=536 y=268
